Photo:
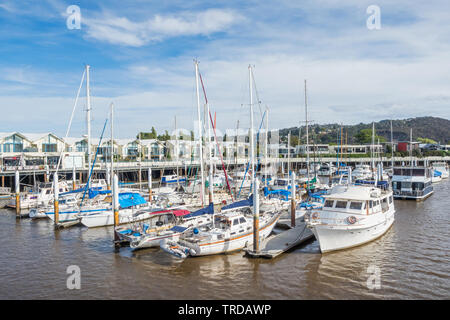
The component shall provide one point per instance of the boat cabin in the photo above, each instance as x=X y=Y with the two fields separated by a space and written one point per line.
x=412 y=182
x=362 y=201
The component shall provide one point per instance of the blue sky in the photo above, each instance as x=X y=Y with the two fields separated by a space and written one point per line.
x=141 y=55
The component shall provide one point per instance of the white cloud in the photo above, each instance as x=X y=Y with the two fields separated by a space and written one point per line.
x=122 y=31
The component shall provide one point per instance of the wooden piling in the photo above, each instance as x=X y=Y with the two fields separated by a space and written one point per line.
x=293 y=200
x=56 y=198
x=17 y=194
x=150 y=185
x=256 y=215
x=116 y=210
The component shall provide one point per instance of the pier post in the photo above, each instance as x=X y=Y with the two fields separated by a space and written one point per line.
x=140 y=177
x=3 y=181
x=56 y=198
x=116 y=210
x=17 y=194
x=46 y=174
x=150 y=185
x=74 y=178
x=256 y=215
x=293 y=200
x=108 y=177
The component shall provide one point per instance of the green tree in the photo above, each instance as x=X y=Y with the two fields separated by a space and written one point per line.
x=164 y=137
x=147 y=135
x=365 y=136
x=426 y=140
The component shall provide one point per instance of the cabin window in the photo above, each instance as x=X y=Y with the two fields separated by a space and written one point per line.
x=417 y=186
x=390 y=199
x=47 y=192
x=329 y=204
x=235 y=222
x=370 y=204
x=406 y=185
x=341 y=204
x=242 y=220
x=355 y=205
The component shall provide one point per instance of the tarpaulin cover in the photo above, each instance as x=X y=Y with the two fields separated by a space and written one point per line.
x=238 y=204
x=130 y=199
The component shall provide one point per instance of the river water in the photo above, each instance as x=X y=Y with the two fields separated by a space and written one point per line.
x=413 y=260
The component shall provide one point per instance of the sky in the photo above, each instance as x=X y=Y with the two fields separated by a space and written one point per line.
x=142 y=55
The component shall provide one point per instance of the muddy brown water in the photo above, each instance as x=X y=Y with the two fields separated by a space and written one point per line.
x=413 y=258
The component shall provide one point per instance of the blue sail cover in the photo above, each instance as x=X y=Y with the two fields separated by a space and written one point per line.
x=93 y=192
x=239 y=204
x=283 y=194
x=209 y=210
x=130 y=199
x=437 y=173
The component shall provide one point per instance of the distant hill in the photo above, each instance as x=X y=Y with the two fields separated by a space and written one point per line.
x=437 y=129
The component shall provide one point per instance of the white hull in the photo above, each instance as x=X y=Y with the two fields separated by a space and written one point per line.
x=107 y=218
x=337 y=238
x=234 y=244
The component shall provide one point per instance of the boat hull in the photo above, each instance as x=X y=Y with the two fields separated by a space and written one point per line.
x=338 y=238
x=232 y=244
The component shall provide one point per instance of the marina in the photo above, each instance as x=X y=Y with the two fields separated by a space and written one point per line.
x=413 y=256
x=224 y=155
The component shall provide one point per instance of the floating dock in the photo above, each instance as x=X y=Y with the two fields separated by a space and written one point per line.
x=275 y=245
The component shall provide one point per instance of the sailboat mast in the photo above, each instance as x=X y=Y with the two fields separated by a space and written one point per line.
x=88 y=118
x=373 y=146
x=252 y=145
x=307 y=135
x=176 y=152
x=200 y=136
x=252 y=161
x=211 y=185
x=111 y=174
x=392 y=148
x=267 y=145
x=410 y=146
x=289 y=154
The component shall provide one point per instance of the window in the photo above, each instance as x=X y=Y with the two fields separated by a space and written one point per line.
x=355 y=205
x=49 y=147
x=242 y=220
x=341 y=204
x=390 y=199
x=370 y=204
x=235 y=222
x=329 y=203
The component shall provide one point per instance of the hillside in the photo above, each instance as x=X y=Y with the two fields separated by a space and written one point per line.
x=437 y=129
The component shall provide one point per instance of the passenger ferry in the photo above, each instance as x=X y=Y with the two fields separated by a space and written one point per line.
x=412 y=183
